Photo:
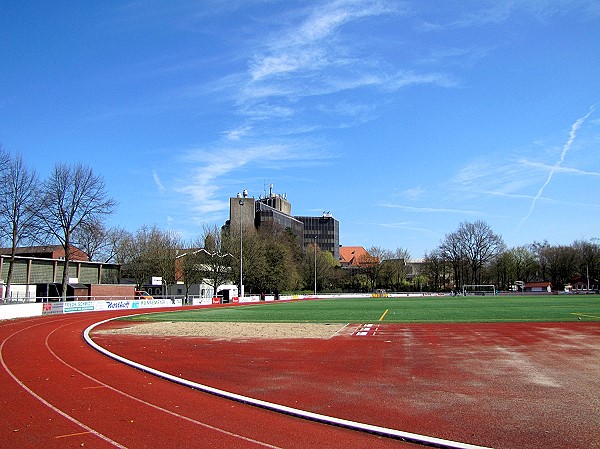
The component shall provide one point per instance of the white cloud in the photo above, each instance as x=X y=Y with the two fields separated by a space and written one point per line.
x=500 y=176
x=500 y=11
x=306 y=59
x=408 y=226
x=238 y=133
x=230 y=165
x=314 y=57
x=413 y=194
x=442 y=210
x=567 y=170
x=410 y=78
x=325 y=20
x=553 y=169
x=157 y=181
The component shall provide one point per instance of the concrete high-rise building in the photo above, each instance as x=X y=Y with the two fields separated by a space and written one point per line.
x=324 y=230
x=275 y=209
x=241 y=208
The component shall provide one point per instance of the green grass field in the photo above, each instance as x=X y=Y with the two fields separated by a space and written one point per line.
x=432 y=309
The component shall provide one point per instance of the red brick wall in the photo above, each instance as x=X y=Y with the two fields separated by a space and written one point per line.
x=76 y=254
x=114 y=290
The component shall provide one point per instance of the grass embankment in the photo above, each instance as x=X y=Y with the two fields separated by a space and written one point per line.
x=434 y=309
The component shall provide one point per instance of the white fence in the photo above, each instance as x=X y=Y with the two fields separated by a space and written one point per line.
x=30 y=309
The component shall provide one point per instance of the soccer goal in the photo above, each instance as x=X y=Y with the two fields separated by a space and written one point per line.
x=480 y=290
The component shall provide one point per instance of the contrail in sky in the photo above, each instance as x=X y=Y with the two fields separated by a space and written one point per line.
x=567 y=146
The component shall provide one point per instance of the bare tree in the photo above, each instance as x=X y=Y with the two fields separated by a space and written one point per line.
x=97 y=241
x=435 y=269
x=562 y=263
x=91 y=238
x=588 y=254
x=451 y=252
x=215 y=262
x=394 y=268
x=72 y=197
x=4 y=160
x=18 y=197
x=188 y=267
x=480 y=246
x=469 y=249
x=205 y=261
x=109 y=251
x=4 y=164
x=124 y=247
x=371 y=265
x=150 y=252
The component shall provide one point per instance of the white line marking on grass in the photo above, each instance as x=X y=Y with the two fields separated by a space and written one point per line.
x=585 y=315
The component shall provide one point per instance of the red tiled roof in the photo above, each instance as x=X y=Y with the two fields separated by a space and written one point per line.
x=355 y=256
x=538 y=284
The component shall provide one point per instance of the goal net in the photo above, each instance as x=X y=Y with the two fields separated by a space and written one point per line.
x=481 y=290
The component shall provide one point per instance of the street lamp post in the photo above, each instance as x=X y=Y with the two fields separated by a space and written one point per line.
x=241 y=290
x=315 y=265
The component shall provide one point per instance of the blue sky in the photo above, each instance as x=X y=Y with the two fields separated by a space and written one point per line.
x=403 y=119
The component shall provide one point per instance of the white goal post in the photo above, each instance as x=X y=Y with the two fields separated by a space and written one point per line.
x=481 y=290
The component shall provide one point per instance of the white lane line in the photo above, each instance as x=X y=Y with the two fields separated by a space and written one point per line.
x=365 y=329
x=46 y=403
x=154 y=406
x=378 y=430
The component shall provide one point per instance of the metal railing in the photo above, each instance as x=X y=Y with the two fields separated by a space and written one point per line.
x=50 y=299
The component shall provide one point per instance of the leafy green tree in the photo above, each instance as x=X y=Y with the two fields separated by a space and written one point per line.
x=320 y=267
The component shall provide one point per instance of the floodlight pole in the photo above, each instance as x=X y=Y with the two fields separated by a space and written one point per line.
x=241 y=291
x=315 y=265
x=587 y=275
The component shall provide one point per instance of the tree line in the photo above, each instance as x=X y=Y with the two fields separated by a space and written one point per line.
x=273 y=261
x=474 y=254
x=69 y=208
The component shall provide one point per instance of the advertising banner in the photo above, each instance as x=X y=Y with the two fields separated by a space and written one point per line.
x=52 y=308
x=79 y=306
x=118 y=305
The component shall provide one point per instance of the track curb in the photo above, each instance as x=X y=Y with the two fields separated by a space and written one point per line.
x=316 y=417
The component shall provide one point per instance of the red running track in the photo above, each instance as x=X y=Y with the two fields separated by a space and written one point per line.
x=57 y=392
x=504 y=385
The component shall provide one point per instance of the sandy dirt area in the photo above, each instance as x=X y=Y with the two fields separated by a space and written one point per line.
x=232 y=331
